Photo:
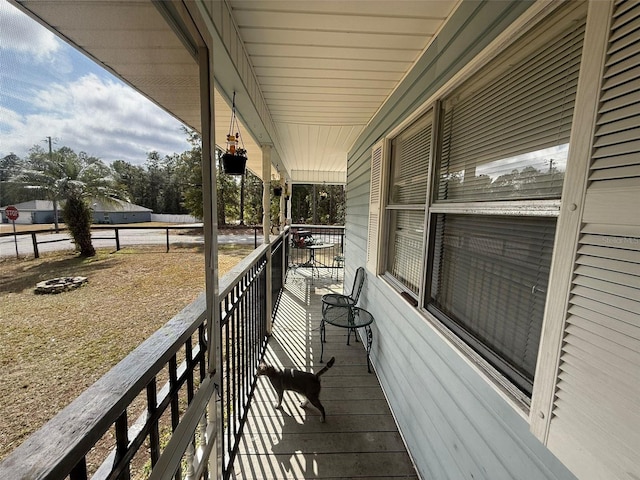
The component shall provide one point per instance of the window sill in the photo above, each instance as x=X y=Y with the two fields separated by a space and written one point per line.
x=507 y=390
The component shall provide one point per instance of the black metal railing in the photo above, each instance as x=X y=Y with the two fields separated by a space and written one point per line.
x=65 y=445
x=163 y=384
x=243 y=332
x=278 y=256
x=303 y=236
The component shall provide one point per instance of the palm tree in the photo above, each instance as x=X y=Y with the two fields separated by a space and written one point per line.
x=74 y=179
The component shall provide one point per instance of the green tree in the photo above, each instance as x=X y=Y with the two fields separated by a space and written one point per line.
x=155 y=182
x=11 y=192
x=188 y=173
x=322 y=204
x=172 y=193
x=74 y=178
x=252 y=199
x=131 y=179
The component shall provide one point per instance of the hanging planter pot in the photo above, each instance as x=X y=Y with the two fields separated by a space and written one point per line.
x=234 y=163
x=277 y=191
x=234 y=160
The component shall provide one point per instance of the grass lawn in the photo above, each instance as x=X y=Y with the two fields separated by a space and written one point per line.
x=54 y=346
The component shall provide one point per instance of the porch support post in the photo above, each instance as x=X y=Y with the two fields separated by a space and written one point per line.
x=289 y=201
x=210 y=224
x=266 y=224
x=266 y=191
x=282 y=203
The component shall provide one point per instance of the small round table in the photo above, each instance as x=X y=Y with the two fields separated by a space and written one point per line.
x=312 y=262
x=347 y=316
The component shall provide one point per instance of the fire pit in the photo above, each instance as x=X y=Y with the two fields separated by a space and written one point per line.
x=60 y=284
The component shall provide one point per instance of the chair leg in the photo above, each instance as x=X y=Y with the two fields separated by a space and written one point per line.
x=369 y=342
x=322 y=339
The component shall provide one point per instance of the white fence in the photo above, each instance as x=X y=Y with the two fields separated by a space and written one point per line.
x=156 y=217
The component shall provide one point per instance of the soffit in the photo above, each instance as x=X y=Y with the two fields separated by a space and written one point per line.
x=323 y=68
x=326 y=67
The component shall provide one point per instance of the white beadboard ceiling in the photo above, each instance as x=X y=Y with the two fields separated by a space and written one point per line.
x=323 y=68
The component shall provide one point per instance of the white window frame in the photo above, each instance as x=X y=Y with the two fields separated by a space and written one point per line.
x=389 y=208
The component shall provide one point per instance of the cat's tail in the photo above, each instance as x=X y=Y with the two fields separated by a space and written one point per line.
x=326 y=367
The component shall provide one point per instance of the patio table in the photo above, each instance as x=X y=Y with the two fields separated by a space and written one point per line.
x=346 y=316
x=312 y=262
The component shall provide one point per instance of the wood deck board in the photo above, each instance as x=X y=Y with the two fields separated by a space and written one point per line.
x=359 y=439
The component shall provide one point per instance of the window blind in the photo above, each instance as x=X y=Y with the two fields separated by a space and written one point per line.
x=405 y=247
x=505 y=133
x=410 y=155
x=489 y=285
x=407 y=197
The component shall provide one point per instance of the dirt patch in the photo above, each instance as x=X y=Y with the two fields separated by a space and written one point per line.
x=54 y=346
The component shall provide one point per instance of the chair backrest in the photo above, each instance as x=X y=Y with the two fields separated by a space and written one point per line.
x=358 y=282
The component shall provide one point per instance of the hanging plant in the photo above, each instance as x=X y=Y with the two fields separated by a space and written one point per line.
x=234 y=160
x=277 y=191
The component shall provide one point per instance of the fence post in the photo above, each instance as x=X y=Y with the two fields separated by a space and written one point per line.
x=167 y=239
x=36 y=254
x=117 y=240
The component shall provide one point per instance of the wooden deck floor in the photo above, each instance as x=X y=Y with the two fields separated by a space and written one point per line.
x=359 y=439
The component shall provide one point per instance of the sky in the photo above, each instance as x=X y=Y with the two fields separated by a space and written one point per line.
x=49 y=89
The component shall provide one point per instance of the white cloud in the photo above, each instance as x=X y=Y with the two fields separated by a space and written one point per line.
x=18 y=32
x=102 y=117
x=47 y=89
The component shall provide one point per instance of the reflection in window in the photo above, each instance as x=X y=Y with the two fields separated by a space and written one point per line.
x=538 y=174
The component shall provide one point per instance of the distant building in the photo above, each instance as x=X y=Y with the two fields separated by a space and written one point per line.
x=34 y=211
x=119 y=211
x=113 y=212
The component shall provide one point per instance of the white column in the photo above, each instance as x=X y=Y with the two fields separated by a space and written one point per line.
x=266 y=191
x=210 y=225
x=290 y=201
x=282 y=200
x=266 y=224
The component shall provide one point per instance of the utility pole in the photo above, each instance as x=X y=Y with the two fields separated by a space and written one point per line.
x=55 y=194
x=242 y=182
x=314 y=200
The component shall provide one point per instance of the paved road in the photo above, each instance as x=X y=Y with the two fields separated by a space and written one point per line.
x=62 y=241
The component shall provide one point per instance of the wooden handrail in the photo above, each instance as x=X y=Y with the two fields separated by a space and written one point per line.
x=58 y=450
x=55 y=449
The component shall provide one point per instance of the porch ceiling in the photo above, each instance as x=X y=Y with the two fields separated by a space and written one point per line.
x=322 y=68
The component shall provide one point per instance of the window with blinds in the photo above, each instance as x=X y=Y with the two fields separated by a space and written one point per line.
x=489 y=285
x=505 y=133
x=504 y=139
x=407 y=196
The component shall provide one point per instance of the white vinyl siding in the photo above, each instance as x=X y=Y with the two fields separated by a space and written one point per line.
x=596 y=407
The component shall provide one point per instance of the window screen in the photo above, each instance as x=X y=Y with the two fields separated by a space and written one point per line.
x=506 y=134
x=489 y=284
x=405 y=247
x=408 y=180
